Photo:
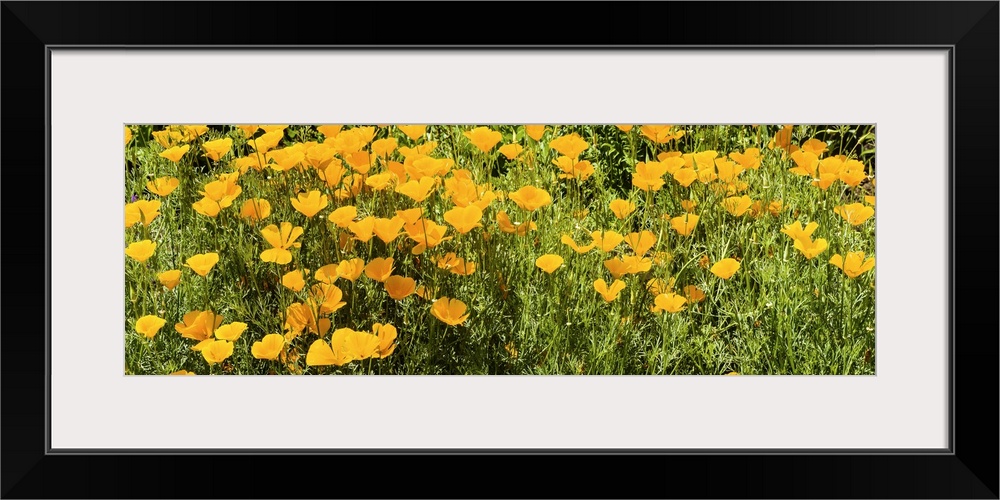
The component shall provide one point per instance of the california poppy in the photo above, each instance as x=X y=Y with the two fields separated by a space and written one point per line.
x=450 y=311
x=216 y=149
x=569 y=145
x=141 y=250
x=163 y=186
x=309 y=204
x=684 y=224
x=725 y=268
x=621 y=208
x=268 y=347
x=280 y=240
x=549 y=262
x=464 y=219
x=149 y=325
x=170 y=279
x=379 y=269
x=531 y=198
x=483 y=138
x=203 y=263
x=854 y=264
x=609 y=293
x=670 y=302
x=399 y=287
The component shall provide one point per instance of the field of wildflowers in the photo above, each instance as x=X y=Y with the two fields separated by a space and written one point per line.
x=501 y=249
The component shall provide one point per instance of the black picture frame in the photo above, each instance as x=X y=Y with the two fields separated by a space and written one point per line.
x=969 y=468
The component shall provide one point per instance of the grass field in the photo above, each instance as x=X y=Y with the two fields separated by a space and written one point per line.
x=502 y=249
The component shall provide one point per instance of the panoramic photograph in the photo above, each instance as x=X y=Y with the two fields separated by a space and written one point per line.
x=499 y=249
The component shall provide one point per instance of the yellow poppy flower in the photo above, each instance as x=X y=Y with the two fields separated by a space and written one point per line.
x=379 y=269
x=855 y=213
x=399 y=287
x=693 y=294
x=417 y=190
x=609 y=293
x=388 y=229
x=549 y=262
x=280 y=241
x=483 y=138
x=535 y=131
x=617 y=267
x=361 y=345
x=854 y=264
x=141 y=211
x=175 y=153
x=343 y=216
x=685 y=176
x=218 y=148
x=141 y=250
x=606 y=241
x=309 y=204
x=410 y=216
x=648 y=176
x=814 y=146
x=656 y=286
x=625 y=128
x=350 y=269
x=207 y=207
x=456 y=264
x=363 y=229
x=507 y=226
x=414 y=132
x=661 y=133
x=149 y=325
x=231 y=331
x=684 y=224
x=567 y=240
x=203 y=263
x=386 y=335
x=725 y=268
x=670 y=302
x=379 y=182
x=198 y=325
x=511 y=150
x=464 y=219
x=163 y=186
x=225 y=190
x=418 y=150
x=782 y=139
x=322 y=354
x=217 y=351
x=293 y=281
x=255 y=209
x=329 y=131
x=572 y=169
x=641 y=242
x=569 y=145
x=450 y=311
x=330 y=297
x=621 y=208
x=531 y=198
x=427 y=234
x=384 y=147
x=810 y=248
x=737 y=205
x=170 y=279
x=749 y=159
x=268 y=347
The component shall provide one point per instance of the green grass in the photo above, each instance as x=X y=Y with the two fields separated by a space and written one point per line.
x=779 y=314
